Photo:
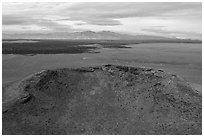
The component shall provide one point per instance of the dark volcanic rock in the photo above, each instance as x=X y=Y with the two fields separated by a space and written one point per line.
x=104 y=100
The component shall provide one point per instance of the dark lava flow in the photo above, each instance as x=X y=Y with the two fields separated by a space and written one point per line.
x=103 y=100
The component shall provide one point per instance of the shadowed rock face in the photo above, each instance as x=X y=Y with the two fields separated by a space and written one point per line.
x=103 y=100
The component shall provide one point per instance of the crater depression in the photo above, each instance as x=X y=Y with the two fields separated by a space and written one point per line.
x=106 y=99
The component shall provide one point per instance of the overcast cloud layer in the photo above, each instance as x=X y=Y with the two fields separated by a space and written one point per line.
x=164 y=19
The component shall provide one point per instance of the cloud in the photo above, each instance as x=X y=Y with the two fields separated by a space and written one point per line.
x=161 y=30
x=103 y=22
x=15 y=20
x=25 y=22
x=117 y=16
x=110 y=11
x=23 y=16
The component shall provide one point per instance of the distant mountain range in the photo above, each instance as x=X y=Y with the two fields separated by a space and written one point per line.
x=108 y=35
x=88 y=35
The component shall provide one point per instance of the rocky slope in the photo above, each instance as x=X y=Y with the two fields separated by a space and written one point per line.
x=103 y=100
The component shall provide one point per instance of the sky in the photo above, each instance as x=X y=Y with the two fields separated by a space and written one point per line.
x=181 y=20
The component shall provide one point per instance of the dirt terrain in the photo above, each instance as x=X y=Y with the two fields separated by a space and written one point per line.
x=108 y=99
